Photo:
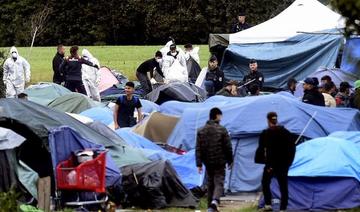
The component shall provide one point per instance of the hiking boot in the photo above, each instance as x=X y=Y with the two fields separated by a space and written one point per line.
x=214 y=205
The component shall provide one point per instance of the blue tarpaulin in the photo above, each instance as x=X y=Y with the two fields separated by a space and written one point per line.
x=350 y=61
x=245 y=118
x=63 y=141
x=296 y=58
x=183 y=164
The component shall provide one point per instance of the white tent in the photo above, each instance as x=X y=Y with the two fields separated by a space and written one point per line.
x=300 y=16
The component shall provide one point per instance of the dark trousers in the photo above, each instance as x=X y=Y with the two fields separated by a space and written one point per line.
x=215 y=184
x=75 y=86
x=282 y=178
x=144 y=82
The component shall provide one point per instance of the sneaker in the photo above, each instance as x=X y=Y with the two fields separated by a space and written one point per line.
x=214 y=205
x=267 y=208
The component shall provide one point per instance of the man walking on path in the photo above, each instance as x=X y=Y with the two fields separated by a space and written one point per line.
x=214 y=150
x=277 y=151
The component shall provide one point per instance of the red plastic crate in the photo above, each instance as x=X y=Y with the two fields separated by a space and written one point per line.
x=88 y=176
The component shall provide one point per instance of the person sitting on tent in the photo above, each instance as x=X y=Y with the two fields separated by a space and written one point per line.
x=91 y=76
x=191 y=52
x=254 y=76
x=16 y=73
x=125 y=107
x=291 y=85
x=342 y=98
x=58 y=77
x=71 y=68
x=214 y=150
x=241 y=24
x=326 y=92
x=149 y=67
x=311 y=93
x=229 y=90
x=214 y=79
x=355 y=99
x=277 y=151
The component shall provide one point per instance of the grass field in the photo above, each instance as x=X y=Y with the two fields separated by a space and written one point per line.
x=122 y=58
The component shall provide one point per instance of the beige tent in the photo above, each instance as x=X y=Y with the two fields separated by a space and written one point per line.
x=157 y=127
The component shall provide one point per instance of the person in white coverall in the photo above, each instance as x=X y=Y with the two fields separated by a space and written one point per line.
x=16 y=73
x=91 y=76
x=174 y=65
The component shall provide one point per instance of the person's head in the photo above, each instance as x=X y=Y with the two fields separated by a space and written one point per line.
x=325 y=79
x=173 y=48
x=253 y=65
x=61 y=49
x=213 y=62
x=74 y=51
x=22 y=96
x=272 y=119
x=345 y=87
x=14 y=53
x=357 y=85
x=241 y=17
x=215 y=114
x=254 y=89
x=158 y=56
x=328 y=87
x=292 y=84
x=129 y=88
x=188 y=47
x=316 y=81
x=309 y=83
x=229 y=84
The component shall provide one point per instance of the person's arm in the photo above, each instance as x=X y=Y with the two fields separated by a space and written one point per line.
x=116 y=112
x=158 y=69
x=86 y=62
x=260 y=156
x=198 y=152
x=228 y=148
x=138 y=108
x=26 y=66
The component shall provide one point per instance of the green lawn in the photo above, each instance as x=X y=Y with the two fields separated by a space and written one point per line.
x=123 y=58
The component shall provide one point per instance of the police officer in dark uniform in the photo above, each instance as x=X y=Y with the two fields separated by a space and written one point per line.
x=254 y=77
x=214 y=79
x=241 y=24
x=277 y=151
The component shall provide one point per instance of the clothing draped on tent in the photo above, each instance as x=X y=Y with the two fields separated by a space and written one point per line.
x=350 y=61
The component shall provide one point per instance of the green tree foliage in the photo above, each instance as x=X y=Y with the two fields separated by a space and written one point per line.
x=350 y=9
x=89 y=22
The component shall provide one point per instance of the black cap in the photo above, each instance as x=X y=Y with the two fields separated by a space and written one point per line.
x=310 y=81
x=213 y=58
x=252 y=61
x=316 y=81
x=242 y=13
x=188 y=45
x=271 y=116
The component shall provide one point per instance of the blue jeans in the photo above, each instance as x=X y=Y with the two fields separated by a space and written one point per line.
x=209 y=87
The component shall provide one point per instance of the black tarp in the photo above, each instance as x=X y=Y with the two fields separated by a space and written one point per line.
x=183 y=92
x=193 y=68
x=155 y=185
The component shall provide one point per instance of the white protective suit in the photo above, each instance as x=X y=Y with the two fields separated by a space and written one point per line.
x=91 y=76
x=174 y=71
x=194 y=54
x=16 y=73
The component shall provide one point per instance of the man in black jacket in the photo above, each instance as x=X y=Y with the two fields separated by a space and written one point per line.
x=71 y=67
x=149 y=66
x=277 y=151
x=241 y=24
x=255 y=76
x=214 y=79
x=58 y=77
x=214 y=150
x=311 y=93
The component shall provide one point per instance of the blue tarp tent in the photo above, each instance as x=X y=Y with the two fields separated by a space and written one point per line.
x=183 y=164
x=351 y=57
x=325 y=174
x=245 y=118
x=296 y=57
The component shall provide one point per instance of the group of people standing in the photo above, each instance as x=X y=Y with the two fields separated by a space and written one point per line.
x=77 y=73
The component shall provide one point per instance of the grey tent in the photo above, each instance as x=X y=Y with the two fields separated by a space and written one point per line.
x=217 y=45
x=73 y=103
x=45 y=92
x=184 y=92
